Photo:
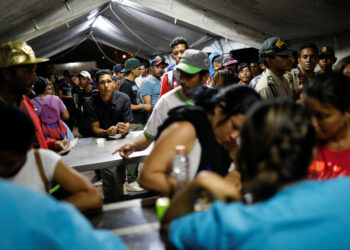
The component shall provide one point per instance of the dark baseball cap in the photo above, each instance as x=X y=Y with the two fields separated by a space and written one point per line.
x=228 y=61
x=327 y=51
x=156 y=62
x=118 y=67
x=131 y=64
x=222 y=57
x=274 y=46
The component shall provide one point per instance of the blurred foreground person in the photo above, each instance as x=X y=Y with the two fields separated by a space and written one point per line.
x=31 y=220
x=285 y=212
x=343 y=66
x=39 y=169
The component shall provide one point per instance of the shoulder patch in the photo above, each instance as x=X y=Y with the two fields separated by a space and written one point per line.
x=270 y=80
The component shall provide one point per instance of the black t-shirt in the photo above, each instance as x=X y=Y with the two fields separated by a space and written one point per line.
x=119 y=110
x=67 y=90
x=130 y=88
x=82 y=95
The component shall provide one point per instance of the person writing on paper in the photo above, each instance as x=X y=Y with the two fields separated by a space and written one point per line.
x=282 y=210
x=39 y=169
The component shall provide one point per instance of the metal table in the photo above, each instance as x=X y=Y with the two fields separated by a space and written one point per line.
x=135 y=221
x=96 y=153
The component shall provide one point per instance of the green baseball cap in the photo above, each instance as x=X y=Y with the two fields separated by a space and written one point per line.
x=274 y=46
x=131 y=64
x=193 y=61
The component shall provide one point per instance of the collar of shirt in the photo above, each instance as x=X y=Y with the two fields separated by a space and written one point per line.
x=277 y=80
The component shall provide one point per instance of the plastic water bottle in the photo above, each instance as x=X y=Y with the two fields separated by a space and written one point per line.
x=181 y=167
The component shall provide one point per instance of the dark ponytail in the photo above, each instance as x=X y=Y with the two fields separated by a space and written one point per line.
x=237 y=98
x=202 y=96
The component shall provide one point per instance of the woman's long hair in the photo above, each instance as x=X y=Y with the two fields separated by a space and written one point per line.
x=277 y=140
x=238 y=99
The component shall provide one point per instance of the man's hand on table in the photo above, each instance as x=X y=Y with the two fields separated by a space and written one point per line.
x=123 y=127
x=111 y=131
x=60 y=145
x=125 y=150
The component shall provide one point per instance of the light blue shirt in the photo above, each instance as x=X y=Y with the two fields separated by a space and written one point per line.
x=30 y=220
x=151 y=86
x=308 y=215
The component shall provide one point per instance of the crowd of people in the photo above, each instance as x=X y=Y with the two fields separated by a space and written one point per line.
x=260 y=136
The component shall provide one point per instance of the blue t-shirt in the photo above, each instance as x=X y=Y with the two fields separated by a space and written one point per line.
x=151 y=86
x=307 y=215
x=31 y=220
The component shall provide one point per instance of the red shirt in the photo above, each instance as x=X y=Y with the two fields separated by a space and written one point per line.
x=329 y=164
x=165 y=87
x=27 y=106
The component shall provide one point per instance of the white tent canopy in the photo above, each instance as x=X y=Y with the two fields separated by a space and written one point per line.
x=146 y=27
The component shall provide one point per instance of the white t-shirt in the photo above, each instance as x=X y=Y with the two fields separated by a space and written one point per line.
x=172 y=99
x=139 y=80
x=29 y=175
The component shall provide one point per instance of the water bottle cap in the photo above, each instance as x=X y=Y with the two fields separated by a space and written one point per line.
x=180 y=148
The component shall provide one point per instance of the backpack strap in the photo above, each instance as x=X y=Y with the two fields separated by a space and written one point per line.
x=170 y=77
x=36 y=141
x=176 y=76
x=41 y=170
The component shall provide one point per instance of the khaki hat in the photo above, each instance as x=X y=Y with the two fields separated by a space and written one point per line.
x=17 y=53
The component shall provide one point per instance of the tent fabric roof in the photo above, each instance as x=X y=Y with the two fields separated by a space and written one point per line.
x=145 y=28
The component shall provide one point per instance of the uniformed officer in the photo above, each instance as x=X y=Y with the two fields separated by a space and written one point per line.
x=277 y=58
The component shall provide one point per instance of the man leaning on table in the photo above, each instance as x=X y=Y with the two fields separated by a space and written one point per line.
x=109 y=113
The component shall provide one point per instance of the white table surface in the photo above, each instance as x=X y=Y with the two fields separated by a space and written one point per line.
x=88 y=155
